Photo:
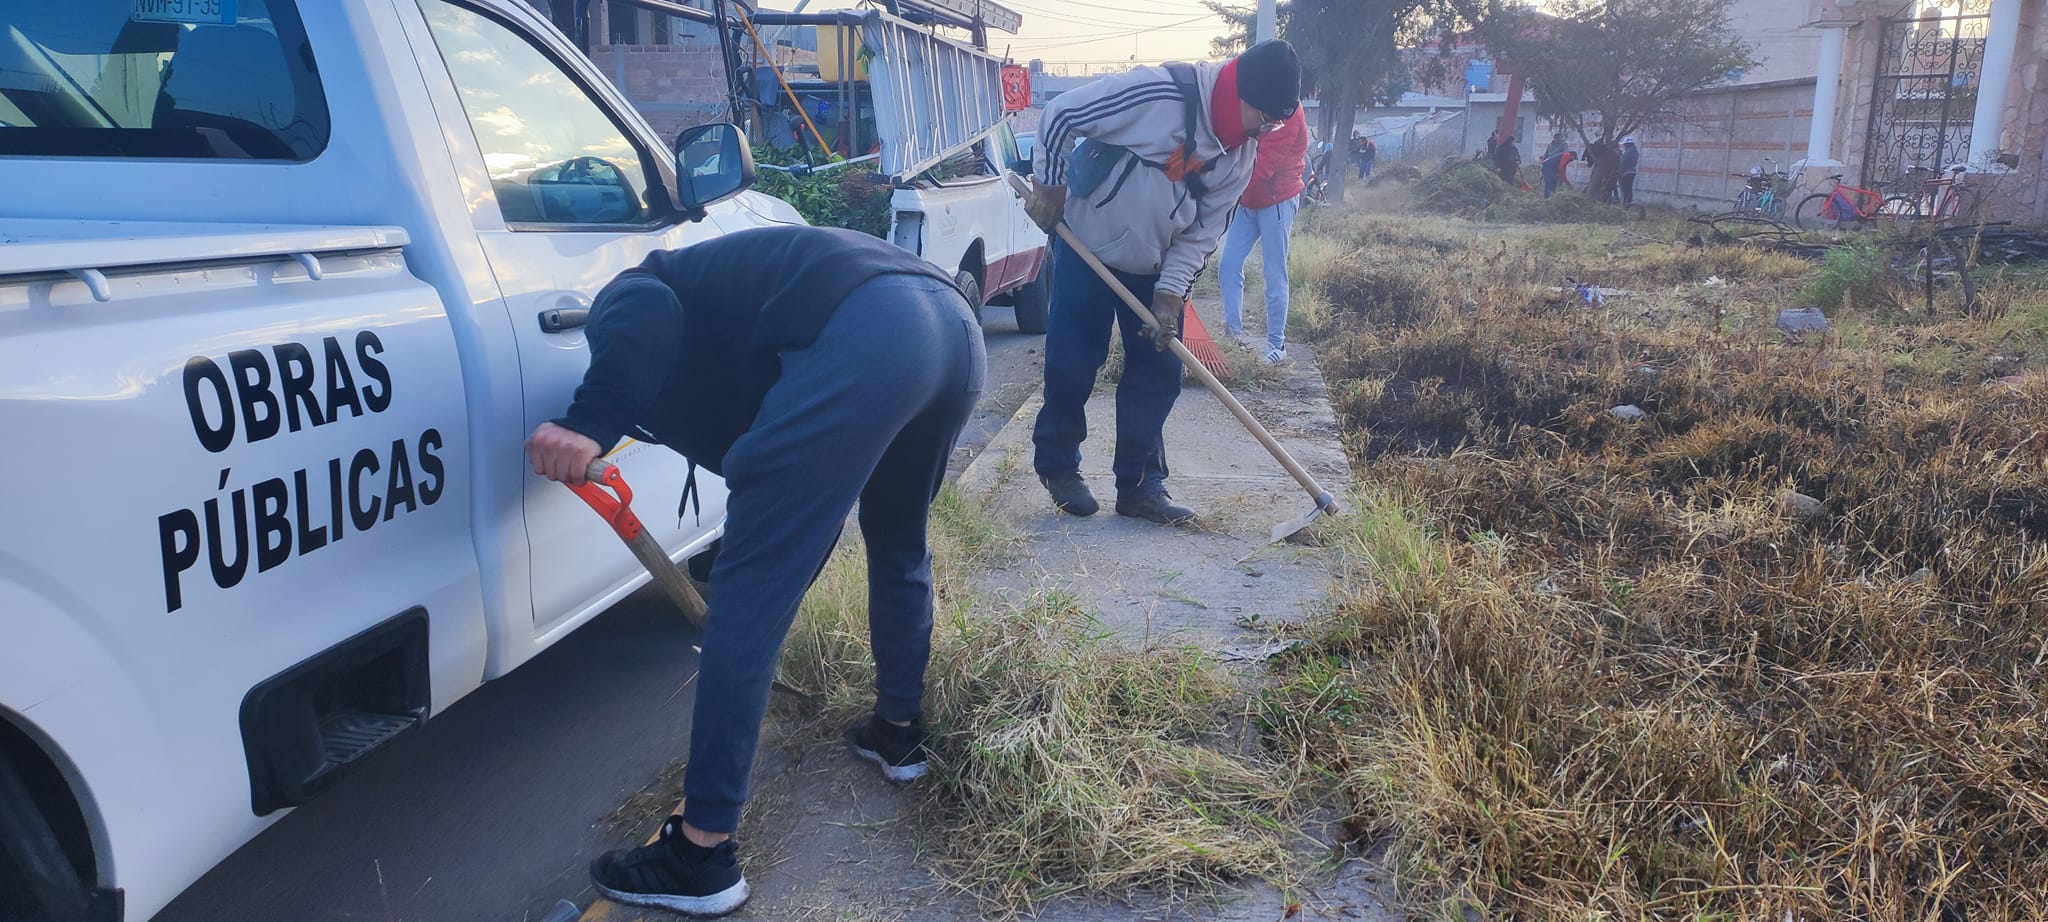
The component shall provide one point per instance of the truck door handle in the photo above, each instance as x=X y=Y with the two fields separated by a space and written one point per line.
x=563 y=319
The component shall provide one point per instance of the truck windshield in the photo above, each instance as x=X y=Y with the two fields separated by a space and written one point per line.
x=202 y=79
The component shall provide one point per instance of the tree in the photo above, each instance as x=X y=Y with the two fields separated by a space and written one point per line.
x=1606 y=69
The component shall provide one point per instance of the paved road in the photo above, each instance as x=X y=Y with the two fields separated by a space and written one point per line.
x=489 y=811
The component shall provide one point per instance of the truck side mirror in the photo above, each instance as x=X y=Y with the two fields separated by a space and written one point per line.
x=713 y=163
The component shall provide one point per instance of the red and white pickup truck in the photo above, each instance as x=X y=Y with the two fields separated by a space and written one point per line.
x=975 y=225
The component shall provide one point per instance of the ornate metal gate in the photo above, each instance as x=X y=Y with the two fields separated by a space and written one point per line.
x=1928 y=70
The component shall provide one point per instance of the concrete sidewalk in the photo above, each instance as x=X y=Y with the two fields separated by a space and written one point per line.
x=1157 y=585
x=825 y=838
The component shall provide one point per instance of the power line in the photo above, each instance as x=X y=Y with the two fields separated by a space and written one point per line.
x=1126 y=6
x=1064 y=40
x=1067 y=41
x=1086 y=21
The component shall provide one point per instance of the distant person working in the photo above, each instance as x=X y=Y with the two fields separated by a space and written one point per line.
x=1507 y=160
x=1631 y=160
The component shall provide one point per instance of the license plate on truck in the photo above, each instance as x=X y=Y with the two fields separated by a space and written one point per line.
x=204 y=12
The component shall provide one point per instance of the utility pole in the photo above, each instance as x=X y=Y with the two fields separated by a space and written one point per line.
x=1268 y=17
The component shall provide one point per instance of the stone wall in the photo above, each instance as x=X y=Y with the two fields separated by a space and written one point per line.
x=1853 y=105
x=1725 y=131
x=2026 y=120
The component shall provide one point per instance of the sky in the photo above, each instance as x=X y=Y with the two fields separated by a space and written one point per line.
x=1097 y=32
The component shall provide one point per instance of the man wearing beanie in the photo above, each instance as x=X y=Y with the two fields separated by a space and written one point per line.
x=1168 y=150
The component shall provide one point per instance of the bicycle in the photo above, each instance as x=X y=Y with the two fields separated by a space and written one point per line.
x=1765 y=188
x=1948 y=201
x=1316 y=188
x=1843 y=202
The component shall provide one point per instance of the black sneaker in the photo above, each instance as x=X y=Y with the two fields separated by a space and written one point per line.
x=898 y=750
x=1154 y=506
x=674 y=874
x=1070 y=494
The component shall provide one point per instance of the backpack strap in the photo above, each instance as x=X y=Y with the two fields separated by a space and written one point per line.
x=1179 y=167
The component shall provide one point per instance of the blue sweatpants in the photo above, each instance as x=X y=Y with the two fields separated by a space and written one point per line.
x=869 y=411
x=1076 y=344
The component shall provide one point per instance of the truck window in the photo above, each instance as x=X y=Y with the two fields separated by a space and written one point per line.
x=554 y=155
x=1006 y=147
x=197 y=79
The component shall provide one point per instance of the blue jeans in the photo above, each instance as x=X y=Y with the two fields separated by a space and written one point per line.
x=1549 y=169
x=1269 y=227
x=1076 y=344
x=868 y=411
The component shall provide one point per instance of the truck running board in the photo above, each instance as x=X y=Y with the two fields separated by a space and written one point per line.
x=348 y=735
x=303 y=728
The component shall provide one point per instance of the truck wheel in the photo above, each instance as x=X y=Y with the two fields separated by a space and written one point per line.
x=1034 y=301
x=35 y=871
x=971 y=287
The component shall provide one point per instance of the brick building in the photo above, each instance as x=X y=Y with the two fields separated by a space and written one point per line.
x=667 y=66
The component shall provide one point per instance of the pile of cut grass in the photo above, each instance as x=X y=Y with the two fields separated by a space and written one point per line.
x=1590 y=668
x=1067 y=764
x=1074 y=765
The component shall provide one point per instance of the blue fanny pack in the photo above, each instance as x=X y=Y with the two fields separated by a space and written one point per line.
x=1090 y=164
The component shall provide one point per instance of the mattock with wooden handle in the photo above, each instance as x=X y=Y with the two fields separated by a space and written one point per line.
x=616 y=508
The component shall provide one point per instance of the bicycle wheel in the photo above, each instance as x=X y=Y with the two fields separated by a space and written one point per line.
x=1960 y=207
x=1813 y=213
x=1896 y=208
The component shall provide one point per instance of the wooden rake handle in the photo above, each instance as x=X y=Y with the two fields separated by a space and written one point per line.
x=616 y=508
x=1322 y=497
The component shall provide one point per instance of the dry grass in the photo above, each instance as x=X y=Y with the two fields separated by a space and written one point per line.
x=1585 y=668
x=1067 y=765
x=1072 y=765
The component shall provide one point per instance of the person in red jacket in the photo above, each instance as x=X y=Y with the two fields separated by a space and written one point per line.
x=1265 y=214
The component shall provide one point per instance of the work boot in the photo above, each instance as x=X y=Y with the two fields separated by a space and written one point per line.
x=898 y=751
x=1070 y=495
x=1156 y=506
x=673 y=873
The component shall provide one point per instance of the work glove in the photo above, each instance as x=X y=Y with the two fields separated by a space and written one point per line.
x=1046 y=206
x=1166 y=308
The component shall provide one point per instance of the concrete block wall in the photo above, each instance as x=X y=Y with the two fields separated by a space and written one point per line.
x=1724 y=131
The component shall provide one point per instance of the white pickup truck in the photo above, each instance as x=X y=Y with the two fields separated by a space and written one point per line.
x=975 y=225
x=284 y=284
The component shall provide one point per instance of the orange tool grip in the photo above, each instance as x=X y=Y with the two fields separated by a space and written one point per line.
x=616 y=510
